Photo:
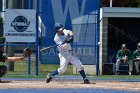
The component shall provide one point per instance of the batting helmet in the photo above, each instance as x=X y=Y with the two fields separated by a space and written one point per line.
x=58 y=26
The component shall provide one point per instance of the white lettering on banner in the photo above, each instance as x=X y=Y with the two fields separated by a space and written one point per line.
x=83 y=51
x=71 y=7
x=87 y=51
x=20 y=34
x=20 y=25
x=78 y=51
x=52 y=52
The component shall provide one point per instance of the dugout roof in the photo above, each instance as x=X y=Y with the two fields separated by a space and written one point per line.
x=119 y=12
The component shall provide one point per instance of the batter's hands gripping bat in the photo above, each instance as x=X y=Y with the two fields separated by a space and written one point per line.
x=48 y=48
x=67 y=40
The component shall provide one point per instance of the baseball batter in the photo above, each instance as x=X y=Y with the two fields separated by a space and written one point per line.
x=63 y=38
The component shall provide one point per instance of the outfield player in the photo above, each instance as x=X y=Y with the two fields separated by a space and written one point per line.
x=124 y=55
x=136 y=58
x=63 y=38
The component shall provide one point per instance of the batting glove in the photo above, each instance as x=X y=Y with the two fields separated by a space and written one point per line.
x=69 y=39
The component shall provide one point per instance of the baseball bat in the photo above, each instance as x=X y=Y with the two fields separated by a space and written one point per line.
x=48 y=48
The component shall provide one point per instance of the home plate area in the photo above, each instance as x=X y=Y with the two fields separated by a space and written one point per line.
x=101 y=85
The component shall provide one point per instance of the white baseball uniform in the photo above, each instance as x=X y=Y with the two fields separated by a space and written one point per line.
x=66 y=53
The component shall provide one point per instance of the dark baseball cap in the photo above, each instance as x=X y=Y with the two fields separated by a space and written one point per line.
x=58 y=27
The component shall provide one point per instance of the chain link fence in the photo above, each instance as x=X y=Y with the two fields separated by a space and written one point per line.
x=84 y=26
x=18 y=68
x=85 y=35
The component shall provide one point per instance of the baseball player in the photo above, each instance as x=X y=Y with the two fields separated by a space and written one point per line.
x=63 y=38
x=124 y=55
x=136 y=59
x=3 y=58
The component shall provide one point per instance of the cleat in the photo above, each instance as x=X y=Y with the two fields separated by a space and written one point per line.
x=86 y=81
x=116 y=73
x=48 y=79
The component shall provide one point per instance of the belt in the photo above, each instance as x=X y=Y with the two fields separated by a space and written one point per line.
x=67 y=51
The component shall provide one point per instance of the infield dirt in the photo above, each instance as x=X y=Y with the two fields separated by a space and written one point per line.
x=40 y=84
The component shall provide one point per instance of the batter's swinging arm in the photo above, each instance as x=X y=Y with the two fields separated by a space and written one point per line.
x=68 y=40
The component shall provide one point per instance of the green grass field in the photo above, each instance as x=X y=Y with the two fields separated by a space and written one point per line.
x=21 y=71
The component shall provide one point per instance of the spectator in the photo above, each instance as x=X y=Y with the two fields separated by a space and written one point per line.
x=124 y=56
x=136 y=58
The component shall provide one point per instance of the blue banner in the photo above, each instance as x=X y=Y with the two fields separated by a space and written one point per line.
x=80 y=16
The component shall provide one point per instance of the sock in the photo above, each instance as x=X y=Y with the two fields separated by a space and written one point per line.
x=82 y=72
x=54 y=73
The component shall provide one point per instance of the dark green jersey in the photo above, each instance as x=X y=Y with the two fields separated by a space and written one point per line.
x=136 y=54
x=121 y=54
